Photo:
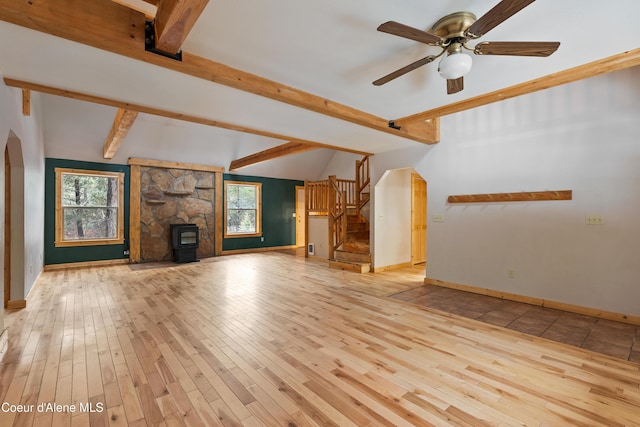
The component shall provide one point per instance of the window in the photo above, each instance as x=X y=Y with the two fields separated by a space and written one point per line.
x=242 y=209
x=89 y=207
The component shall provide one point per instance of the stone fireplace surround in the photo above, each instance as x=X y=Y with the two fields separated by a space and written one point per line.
x=173 y=193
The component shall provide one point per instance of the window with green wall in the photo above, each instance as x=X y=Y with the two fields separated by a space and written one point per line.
x=99 y=249
x=277 y=223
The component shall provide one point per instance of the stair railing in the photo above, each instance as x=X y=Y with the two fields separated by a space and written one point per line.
x=337 y=216
x=317 y=197
x=362 y=182
x=348 y=187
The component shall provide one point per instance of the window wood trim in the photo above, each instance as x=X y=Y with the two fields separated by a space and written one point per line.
x=258 y=233
x=59 y=240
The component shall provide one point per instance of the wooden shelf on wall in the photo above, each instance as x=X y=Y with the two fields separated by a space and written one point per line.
x=525 y=196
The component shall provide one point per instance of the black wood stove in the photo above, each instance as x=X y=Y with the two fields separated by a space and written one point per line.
x=185 y=241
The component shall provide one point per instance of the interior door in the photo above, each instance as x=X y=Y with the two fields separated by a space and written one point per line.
x=418 y=219
x=300 y=217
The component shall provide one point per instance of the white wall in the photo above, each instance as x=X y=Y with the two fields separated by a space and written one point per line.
x=342 y=165
x=582 y=137
x=319 y=235
x=392 y=220
x=26 y=130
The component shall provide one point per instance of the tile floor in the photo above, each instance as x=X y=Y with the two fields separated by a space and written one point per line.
x=616 y=339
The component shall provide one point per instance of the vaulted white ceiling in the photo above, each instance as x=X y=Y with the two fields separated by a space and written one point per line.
x=330 y=49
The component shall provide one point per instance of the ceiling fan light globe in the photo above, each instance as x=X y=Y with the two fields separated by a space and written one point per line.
x=454 y=65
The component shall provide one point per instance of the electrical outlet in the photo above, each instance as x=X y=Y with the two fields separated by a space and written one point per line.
x=438 y=218
x=594 y=220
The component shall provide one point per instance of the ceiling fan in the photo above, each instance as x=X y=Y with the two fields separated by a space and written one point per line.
x=453 y=32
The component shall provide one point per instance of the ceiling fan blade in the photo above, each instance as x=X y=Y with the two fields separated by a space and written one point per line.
x=516 y=48
x=500 y=13
x=401 y=30
x=455 y=85
x=404 y=70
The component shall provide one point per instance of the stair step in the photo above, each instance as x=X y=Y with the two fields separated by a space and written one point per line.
x=356 y=246
x=362 y=236
x=350 y=266
x=353 y=218
x=350 y=256
x=357 y=226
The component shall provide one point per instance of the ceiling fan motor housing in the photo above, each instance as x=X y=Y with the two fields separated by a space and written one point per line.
x=454 y=25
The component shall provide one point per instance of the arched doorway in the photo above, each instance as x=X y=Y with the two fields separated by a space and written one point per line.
x=400 y=225
x=7 y=227
x=13 y=224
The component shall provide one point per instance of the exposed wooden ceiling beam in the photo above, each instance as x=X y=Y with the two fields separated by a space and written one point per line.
x=107 y=25
x=26 y=102
x=165 y=113
x=272 y=153
x=613 y=63
x=121 y=124
x=174 y=20
x=147 y=7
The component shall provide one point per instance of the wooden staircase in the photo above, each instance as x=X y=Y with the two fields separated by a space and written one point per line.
x=352 y=252
x=355 y=253
x=345 y=204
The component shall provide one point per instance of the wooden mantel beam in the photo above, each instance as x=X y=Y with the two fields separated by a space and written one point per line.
x=602 y=66
x=292 y=147
x=108 y=25
x=174 y=20
x=165 y=113
x=121 y=124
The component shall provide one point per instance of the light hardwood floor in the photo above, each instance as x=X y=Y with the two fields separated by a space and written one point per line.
x=272 y=339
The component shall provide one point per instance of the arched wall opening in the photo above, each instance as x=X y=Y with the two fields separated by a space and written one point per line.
x=14 y=248
x=395 y=200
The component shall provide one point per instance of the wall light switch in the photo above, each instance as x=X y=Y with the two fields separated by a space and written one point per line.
x=438 y=218
x=594 y=220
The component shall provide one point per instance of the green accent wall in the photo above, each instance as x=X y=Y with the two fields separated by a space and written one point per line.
x=278 y=207
x=62 y=255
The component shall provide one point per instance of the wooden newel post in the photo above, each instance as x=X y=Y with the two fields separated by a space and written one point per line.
x=331 y=209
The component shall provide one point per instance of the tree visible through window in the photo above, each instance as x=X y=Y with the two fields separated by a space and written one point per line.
x=89 y=208
x=242 y=208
